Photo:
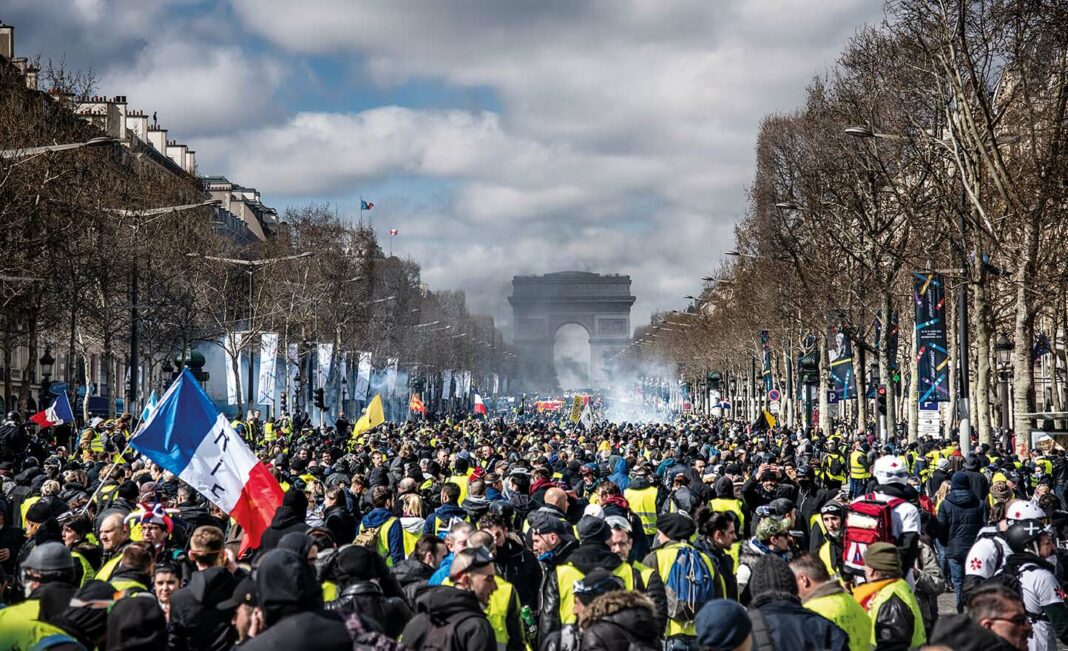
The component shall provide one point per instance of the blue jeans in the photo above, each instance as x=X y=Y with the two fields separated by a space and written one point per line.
x=956 y=576
x=856 y=487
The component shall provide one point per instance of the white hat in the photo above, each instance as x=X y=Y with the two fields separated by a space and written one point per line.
x=1023 y=510
x=595 y=510
x=890 y=470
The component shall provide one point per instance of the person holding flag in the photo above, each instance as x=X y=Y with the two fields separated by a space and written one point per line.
x=187 y=436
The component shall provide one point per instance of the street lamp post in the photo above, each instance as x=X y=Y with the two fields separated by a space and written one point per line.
x=1003 y=353
x=46 y=361
x=166 y=375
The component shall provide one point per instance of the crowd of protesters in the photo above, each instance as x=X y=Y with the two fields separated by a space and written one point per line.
x=535 y=534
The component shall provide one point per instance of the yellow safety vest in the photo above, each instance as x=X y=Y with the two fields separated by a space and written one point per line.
x=826 y=465
x=856 y=466
x=643 y=503
x=107 y=569
x=828 y=562
x=129 y=585
x=497 y=609
x=882 y=592
x=20 y=630
x=844 y=611
x=87 y=570
x=566 y=576
x=410 y=539
x=665 y=558
x=461 y=481
x=725 y=505
x=383 y=541
x=268 y=432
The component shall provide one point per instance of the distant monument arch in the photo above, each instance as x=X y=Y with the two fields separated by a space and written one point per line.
x=542 y=305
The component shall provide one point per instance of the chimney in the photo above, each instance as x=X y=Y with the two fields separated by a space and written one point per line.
x=7 y=41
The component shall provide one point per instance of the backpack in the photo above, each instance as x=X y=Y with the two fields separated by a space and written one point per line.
x=867 y=521
x=368 y=537
x=690 y=583
x=441 y=634
x=364 y=639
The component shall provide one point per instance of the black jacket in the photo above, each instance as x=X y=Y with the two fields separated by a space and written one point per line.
x=620 y=621
x=341 y=524
x=366 y=598
x=894 y=625
x=792 y=627
x=962 y=633
x=196 y=623
x=517 y=565
x=960 y=517
x=286 y=520
x=291 y=599
x=438 y=606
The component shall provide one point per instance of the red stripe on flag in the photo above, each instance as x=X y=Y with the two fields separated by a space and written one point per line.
x=260 y=498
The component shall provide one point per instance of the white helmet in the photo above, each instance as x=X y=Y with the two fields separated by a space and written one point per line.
x=1023 y=510
x=890 y=470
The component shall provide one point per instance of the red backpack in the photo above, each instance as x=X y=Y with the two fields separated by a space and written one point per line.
x=867 y=521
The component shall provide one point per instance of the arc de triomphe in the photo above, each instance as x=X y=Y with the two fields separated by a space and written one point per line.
x=541 y=305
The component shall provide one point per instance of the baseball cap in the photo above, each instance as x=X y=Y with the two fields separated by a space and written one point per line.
x=470 y=559
x=543 y=523
x=244 y=594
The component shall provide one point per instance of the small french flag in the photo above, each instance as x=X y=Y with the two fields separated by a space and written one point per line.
x=480 y=407
x=59 y=413
x=187 y=435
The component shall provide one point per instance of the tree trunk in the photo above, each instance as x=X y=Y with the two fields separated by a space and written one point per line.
x=859 y=364
x=1023 y=365
x=884 y=363
x=954 y=365
x=981 y=325
x=914 y=395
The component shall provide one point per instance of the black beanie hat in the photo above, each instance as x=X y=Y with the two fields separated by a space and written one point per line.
x=592 y=529
x=128 y=491
x=676 y=526
x=772 y=574
x=137 y=624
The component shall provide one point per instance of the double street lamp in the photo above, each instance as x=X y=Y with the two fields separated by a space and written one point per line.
x=29 y=152
x=47 y=362
x=1003 y=357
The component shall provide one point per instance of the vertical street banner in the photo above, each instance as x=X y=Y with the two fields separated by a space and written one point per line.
x=496 y=383
x=932 y=355
x=467 y=384
x=765 y=356
x=342 y=371
x=446 y=384
x=363 y=377
x=292 y=361
x=391 y=377
x=840 y=351
x=326 y=357
x=268 y=359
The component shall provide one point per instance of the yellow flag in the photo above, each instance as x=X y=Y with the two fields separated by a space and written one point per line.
x=770 y=419
x=576 y=409
x=372 y=417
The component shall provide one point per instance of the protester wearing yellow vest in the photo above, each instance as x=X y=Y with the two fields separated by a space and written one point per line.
x=47 y=563
x=641 y=496
x=820 y=594
x=381 y=530
x=725 y=502
x=859 y=469
x=114 y=537
x=502 y=611
x=892 y=608
x=673 y=530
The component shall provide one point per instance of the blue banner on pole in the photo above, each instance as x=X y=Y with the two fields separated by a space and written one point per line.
x=844 y=382
x=765 y=352
x=932 y=355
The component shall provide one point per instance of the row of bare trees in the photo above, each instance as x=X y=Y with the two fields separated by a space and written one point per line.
x=937 y=142
x=77 y=231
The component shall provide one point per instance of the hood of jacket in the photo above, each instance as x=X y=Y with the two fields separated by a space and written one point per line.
x=444 y=601
x=287 y=585
x=638 y=483
x=212 y=586
x=413 y=524
x=963 y=498
x=475 y=505
x=447 y=512
x=631 y=611
x=377 y=517
x=724 y=488
x=591 y=556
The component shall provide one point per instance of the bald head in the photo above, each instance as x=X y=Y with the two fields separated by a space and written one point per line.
x=557 y=498
x=113 y=531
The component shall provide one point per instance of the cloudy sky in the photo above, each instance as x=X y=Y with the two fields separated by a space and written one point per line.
x=500 y=137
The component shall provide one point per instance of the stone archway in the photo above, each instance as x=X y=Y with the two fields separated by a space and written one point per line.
x=572 y=356
x=541 y=305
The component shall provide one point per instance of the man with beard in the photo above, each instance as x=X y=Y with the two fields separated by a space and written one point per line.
x=764 y=486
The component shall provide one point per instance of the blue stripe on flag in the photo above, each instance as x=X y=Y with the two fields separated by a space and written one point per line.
x=177 y=425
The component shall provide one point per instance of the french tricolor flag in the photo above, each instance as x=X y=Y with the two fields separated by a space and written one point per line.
x=186 y=435
x=59 y=413
x=480 y=407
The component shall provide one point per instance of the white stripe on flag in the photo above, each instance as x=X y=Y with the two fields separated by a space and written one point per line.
x=220 y=466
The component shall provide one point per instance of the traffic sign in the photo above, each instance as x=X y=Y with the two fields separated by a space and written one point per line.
x=774 y=395
x=774 y=407
x=832 y=397
x=57 y=388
